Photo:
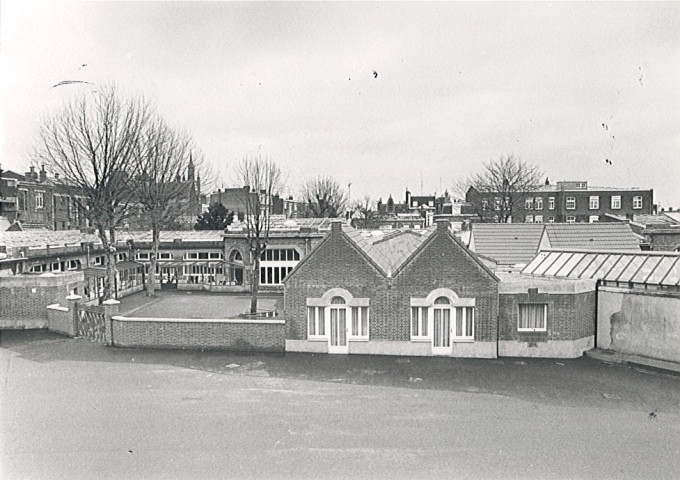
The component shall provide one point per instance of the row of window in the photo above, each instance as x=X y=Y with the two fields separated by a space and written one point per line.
x=570 y=203
x=56 y=266
x=551 y=219
x=147 y=256
x=280 y=255
x=439 y=323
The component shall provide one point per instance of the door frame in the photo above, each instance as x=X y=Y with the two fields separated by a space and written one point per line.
x=338 y=349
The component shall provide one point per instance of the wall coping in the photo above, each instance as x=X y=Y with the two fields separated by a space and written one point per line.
x=111 y=301
x=237 y=321
x=56 y=306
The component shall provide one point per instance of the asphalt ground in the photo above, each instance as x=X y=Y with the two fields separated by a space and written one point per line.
x=193 y=304
x=76 y=409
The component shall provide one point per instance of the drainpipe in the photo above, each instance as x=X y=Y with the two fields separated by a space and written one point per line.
x=597 y=304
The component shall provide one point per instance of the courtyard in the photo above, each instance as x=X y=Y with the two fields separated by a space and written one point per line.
x=194 y=304
x=76 y=409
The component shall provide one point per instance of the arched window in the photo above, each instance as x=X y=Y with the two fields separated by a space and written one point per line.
x=442 y=317
x=338 y=317
x=338 y=301
x=442 y=301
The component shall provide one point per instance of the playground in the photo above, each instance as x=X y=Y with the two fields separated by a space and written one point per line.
x=191 y=304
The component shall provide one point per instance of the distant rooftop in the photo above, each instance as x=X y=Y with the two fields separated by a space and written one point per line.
x=506 y=243
x=594 y=236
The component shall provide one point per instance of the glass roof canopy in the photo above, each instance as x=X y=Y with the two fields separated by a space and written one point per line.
x=651 y=268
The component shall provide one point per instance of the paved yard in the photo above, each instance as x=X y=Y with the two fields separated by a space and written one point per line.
x=75 y=409
x=188 y=304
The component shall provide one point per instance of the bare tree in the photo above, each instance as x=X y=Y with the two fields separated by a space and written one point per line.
x=324 y=197
x=263 y=178
x=363 y=213
x=499 y=190
x=166 y=186
x=91 y=144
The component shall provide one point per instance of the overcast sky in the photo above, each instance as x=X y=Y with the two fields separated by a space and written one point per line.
x=457 y=84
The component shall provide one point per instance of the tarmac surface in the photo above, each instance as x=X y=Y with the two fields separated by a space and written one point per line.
x=75 y=409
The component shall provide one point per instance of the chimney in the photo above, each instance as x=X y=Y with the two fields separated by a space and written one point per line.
x=43 y=174
x=336 y=226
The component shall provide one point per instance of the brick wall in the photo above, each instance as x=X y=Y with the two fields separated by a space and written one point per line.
x=335 y=264
x=24 y=298
x=442 y=263
x=235 y=335
x=570 y=316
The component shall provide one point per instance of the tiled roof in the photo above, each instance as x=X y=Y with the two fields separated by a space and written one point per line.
x=651 y=268
x=507 y=243
x=388 y=250
x=43 y=238
x=169 y=236
x=592 y=236
x=675 y=216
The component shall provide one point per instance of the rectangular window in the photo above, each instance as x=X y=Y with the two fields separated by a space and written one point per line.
x=637 y=203
x=538 y=219
x=594 y=203
x=497 y=203
x=616 y=202
x=529 y=203
x=593 y=218
x=73 y=264
x=191 y=256
x=316 y=326
x=465 y=324
x=122 y=257
x=532 y=317
x=203 y=255
x=571 y=203
x=39 y=268
x=143 y=256
x=551 y=219
x=529 y=219
x=215 y=256
x=359 y=322
x=419 y=323
x=539 y=203
x=551 y=203
x=164 y=256
x=22 y=200
x=571 y=219
x=39 y=200
x=582 y=185
x=99 y=260
x=485 y=204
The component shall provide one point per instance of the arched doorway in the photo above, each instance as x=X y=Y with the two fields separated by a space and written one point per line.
x=441 y=326
x=338 y=326
x=235 y=268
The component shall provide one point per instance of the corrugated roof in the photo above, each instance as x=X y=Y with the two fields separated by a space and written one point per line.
x=507 y=243
x=591 y=236
x=388 y=250
x=651 y=268
x=170 y=235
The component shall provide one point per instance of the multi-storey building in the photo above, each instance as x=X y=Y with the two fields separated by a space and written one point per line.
x=569 y=202
x=35 y=200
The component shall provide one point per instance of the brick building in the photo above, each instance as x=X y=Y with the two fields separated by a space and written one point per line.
x=566 y=202
x=424 y=293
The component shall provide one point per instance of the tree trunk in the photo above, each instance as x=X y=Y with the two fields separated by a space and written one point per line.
x=255 y=283
x=156 y=240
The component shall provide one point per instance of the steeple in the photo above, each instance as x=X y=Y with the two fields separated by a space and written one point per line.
x=190 y=169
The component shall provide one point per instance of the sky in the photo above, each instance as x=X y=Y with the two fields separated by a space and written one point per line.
x=382 y=96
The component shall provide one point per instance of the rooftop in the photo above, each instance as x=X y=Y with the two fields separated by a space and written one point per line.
x=506 y=243
x=389 y=250
x=593 y=236
x=650 y=268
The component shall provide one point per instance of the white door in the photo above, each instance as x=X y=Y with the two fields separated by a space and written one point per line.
x=441 y=331
x=338 y=331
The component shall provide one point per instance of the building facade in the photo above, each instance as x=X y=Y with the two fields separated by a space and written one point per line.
x=566 y=202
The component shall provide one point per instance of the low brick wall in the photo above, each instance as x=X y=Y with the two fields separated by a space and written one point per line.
x=60 y=320
x=226 y=334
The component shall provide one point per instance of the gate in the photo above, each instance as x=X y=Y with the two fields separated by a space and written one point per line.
x=91 y=322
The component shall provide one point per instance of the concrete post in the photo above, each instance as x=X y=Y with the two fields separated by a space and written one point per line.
x=73 y=301
x=111 y=309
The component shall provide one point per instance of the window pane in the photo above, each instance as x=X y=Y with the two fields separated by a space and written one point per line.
x=321 y=321
x=442 y=301
x=414 y=321
x=459 y=322
x=532 y=316
x=355 y=321
x=423 y=321
x=364 y=321
x=437 y=325
x=342 y=326
x=446 y=328
x=296 y=255
x=311 y=321
x=469 y=321
x=337 y=301
x=276 y=274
